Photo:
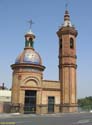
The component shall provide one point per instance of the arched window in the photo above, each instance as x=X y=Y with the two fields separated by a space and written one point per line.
x=31 y=42
x=71 y=43
x=60 y=43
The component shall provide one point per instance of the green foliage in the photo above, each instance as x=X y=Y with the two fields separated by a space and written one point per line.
x=85 y=103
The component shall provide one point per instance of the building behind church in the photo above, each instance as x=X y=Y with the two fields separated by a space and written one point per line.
x=5 y=99
x=32 y=94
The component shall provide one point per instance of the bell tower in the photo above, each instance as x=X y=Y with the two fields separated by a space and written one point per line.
x=67 y=64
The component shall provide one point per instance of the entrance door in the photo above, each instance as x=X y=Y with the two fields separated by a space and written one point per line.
x=51 y=102
x=30 y=101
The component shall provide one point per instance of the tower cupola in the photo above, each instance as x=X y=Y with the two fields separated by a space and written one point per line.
x=29 y=55
x=66 y=16
x=29 y=39
x=67 y=21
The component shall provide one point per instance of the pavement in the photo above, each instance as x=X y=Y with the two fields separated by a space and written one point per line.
x=34 y=115
x=48 y=119
x=9 y=115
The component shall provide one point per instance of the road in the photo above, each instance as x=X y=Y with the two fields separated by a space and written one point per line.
x=55 y=119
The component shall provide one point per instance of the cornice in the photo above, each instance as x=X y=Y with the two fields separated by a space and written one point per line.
x=67 y=30
x=51 y=89
x=72 y=56
x=23 y=65
x=68 y=65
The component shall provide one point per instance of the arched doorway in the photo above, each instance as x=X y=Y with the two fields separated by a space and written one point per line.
x=30 y=101
x=30 y=97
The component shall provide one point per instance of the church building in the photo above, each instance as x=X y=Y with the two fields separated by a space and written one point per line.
x=32 y=94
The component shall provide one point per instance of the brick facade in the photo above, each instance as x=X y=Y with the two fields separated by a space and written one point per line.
x=48 y=96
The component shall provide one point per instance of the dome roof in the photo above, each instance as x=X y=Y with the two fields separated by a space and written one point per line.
x=29 y=56
x=30 y=32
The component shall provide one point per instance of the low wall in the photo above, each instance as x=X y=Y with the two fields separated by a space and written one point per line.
x=5 y=107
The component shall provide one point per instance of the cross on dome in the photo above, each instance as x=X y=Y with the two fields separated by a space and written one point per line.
x=30 y=23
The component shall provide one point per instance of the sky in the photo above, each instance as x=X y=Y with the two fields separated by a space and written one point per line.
x=48 y=16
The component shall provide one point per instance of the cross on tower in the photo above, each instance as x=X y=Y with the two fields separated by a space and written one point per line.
x=30 y=23
x=66 y=5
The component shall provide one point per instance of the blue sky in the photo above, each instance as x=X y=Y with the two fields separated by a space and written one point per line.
x=47 y=16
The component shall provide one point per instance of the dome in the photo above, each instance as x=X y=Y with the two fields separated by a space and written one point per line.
x=29 y=56
x=30 y=32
